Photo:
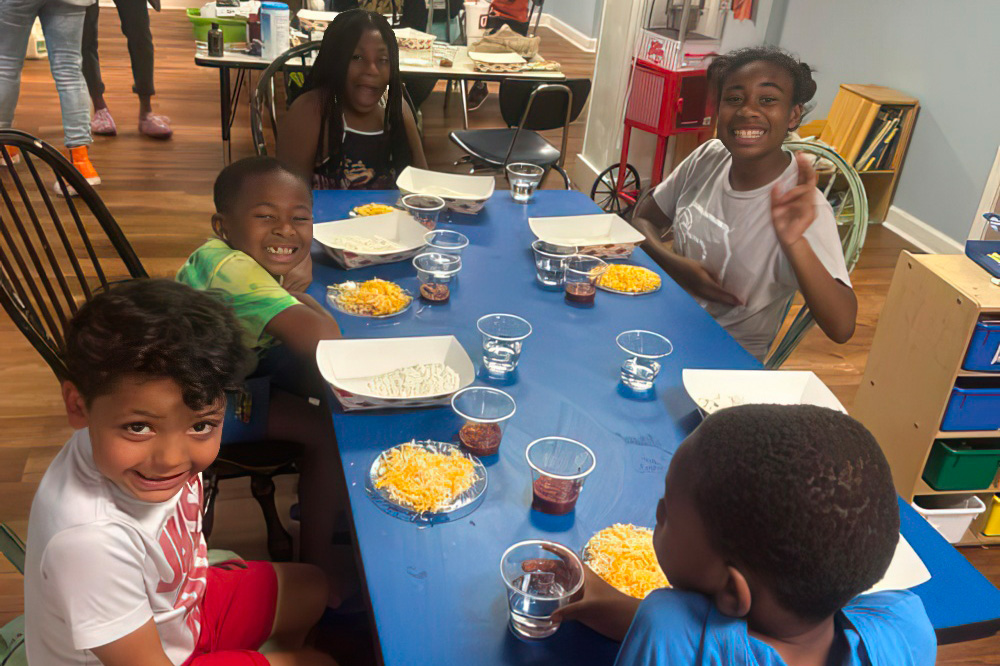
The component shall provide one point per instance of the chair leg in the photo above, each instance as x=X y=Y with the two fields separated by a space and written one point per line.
x=562 y=172
x=210 y=493
x=279 y=542
x=447 y=93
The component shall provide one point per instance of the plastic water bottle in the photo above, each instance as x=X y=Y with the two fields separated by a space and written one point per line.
x=274 y=28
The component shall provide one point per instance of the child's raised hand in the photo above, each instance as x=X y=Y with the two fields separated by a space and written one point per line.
x=793 y=211
x=600 y=606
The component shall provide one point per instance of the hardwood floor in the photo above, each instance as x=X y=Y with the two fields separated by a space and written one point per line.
x=160 y=192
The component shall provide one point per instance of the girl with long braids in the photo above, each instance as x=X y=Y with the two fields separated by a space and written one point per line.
x=350 y=128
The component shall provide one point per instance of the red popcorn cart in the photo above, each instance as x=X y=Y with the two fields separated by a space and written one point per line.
x=668 y=90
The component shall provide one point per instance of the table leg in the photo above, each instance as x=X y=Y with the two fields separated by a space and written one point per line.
x=225 y=102
x=463 y=89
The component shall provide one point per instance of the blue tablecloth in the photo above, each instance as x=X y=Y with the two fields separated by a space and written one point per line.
x=436 y=591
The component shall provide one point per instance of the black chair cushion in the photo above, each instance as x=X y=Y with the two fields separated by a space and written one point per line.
x=490 y=145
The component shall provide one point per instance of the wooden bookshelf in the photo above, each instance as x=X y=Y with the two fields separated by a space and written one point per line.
x=923 y=333
x=852 y=116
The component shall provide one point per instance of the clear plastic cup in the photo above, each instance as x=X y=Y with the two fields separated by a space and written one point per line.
x=559 y=467
x=503 y=336
x=424 y=208
x=486 y=411
x=446 y=241
x=642 y=348
x=582 y=272
x=435 y=271
x=524 y=179
x=541 y=577
x=550 y=263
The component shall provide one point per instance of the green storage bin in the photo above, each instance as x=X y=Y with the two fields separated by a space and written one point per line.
x=959 y=464
x=234 y=28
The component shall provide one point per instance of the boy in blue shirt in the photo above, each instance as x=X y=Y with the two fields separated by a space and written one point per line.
x=774 y=520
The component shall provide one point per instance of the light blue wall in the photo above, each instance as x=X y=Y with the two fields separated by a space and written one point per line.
x=938 y=52
x=584 y=15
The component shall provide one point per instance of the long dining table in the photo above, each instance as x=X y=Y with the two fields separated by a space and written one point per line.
x=435 y=591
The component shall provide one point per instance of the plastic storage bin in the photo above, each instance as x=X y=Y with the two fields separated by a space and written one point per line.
x=984 y=347
x=974 y=405
x=992 y=526
x=950 y=515
x=962 y=465
x=234 y=29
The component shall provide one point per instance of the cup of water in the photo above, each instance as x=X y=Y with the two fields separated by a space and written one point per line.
x=524 y=178
x=424 y=208
x=435 y=271
x=541 y=577
x=559 y=467
x=503 y=336
x=446 y=241
x=485 y=411
x=582 y=272
x=550 y=263
x=642 y=349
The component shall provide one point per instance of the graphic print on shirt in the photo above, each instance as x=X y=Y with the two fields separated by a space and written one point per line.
x=185 y=551
x=705 y=238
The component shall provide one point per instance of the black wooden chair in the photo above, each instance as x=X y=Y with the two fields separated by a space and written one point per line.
x=528 y=107
x=56 y=252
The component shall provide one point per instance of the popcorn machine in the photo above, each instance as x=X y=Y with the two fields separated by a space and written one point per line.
x=668 y=89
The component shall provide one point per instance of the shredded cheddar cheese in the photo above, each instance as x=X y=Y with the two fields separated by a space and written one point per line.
x=423 y=480
x=633 y=279
x=373 y=209
x=623 y=556
x=374 y=297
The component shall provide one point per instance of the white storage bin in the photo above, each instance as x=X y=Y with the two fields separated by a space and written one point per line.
x=950 y=515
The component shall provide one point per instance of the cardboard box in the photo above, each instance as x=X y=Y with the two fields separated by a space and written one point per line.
x=348 y=366
x=397 y=226
x=601 y=235
x=713 y=390
x=463 y=194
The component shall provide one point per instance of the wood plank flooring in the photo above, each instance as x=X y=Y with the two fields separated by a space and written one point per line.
x=160 y=192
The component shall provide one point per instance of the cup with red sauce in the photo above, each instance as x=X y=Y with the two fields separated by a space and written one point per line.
x=559 y=467
x=582 y=273
x=485 y=412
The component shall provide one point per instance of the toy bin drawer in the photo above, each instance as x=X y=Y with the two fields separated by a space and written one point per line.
x=959 y=464
x=974 y=405
x=950 y=515
x=984 y=347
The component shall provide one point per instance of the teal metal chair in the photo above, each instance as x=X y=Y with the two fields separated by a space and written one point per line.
x=12 y=652
x=839 y=181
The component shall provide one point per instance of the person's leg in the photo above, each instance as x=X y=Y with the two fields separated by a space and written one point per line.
x=134 y=16
x=101 y=124
x=302 y=593
x=16 y=19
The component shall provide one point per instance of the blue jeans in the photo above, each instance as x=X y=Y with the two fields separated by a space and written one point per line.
x=62 y=24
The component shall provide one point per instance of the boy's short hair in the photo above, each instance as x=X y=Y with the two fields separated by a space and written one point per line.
x=802 y=496
x=229 y=182
x=156 y=328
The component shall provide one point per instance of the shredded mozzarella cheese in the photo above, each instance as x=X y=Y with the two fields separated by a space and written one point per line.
x=623 y=556
x=363 y=244
x=423 y=480
x=419 y=380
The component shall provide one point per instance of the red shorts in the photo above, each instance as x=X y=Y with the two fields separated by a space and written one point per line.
x=237 y=614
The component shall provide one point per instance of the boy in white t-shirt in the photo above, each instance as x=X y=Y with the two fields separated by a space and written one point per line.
x=749 y=227
x=117 y=571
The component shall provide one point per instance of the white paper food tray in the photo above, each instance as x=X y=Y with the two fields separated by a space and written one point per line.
x=463 y=194
x=713 y=390
x=348 y=366
x=602 y=235
x=906 y=570
x=397 y=226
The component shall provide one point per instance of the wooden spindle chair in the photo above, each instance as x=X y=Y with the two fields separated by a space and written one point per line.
x=59 y=246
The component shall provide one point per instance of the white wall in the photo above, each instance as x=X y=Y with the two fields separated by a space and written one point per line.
x=943 y=53
x=584 y=15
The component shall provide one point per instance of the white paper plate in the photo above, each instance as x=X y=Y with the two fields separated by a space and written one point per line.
x=630 y=293
x=461 y=506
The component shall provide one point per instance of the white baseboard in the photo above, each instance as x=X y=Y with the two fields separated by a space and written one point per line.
x=569 y=33
x=921 y=234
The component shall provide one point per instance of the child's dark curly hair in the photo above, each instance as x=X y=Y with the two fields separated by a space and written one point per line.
x=801 y=73
x=800 y=496
x=156 y=328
